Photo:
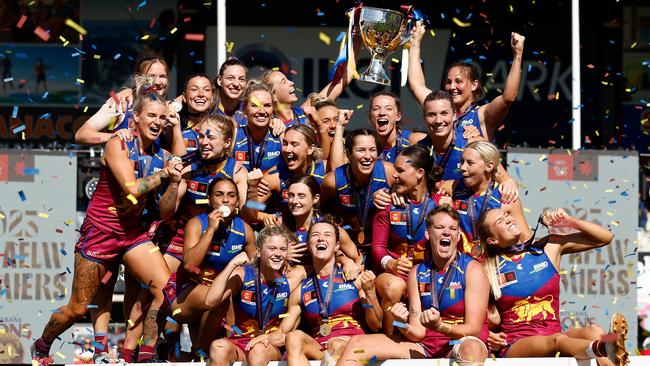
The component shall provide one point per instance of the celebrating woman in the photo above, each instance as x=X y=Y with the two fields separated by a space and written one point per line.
x=113 y=228
x=331 y=319
x=523 y=274
x=300 y=156
x=231 y=82
x=259 y=294
x=398 y=241
x=448 y=297
x=463 y=82
x=478 y=191
x=211 y=241
x=355 y=183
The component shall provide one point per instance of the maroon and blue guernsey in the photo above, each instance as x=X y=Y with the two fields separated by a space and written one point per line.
x=530 y=296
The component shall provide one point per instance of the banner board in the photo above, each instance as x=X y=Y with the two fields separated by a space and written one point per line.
x=37 y=237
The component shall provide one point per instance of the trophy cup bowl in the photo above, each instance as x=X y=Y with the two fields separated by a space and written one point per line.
x=382 y=32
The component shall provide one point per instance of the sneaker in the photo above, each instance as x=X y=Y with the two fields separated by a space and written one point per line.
x=43 y=359
x=102 y=358
x=616 y=351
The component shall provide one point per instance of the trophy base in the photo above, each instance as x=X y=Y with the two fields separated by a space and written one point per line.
x=374 y=79
x=375 y=72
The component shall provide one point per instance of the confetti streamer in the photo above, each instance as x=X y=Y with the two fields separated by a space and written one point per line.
x=460 y=23
x=21 y=21
x=324 y=38
x=42 y=34
x=71 y=23
x=194 y=37
x=132 y=199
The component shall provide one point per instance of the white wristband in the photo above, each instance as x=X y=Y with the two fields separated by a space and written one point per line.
x=384 y=261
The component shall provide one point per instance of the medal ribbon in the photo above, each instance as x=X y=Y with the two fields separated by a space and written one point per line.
x=365 y=209
x=263 y=319
x=436 y=298
x=249 y=143
x=409 y=226
x=472 y=216
x=323 y=307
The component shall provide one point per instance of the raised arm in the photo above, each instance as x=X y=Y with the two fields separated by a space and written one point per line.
x=90 y=133
x=589 y=236
x=493 y=113
x=416 y=81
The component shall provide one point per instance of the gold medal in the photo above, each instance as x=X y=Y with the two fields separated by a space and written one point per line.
x=325 y=329
x=361 y=237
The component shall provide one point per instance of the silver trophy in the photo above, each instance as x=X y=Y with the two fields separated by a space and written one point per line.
x=382 y=31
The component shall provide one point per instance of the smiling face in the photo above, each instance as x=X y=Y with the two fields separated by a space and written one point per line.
x=259 y=108
x=504 y=231
x=439 y=117
x=198 y=94
x=363 y=155
x=295 y=151
x=329 y=117
x=273 y=252
x=406 y=176
x=212 y=143
x=322 y=241
x=384 y=114
x=158 y=75
x=300 y=199
x=151 y=120
x=283 y=88
x=474 y=169
x=460 y=86
x=224 y=193
x=233 y=82
x=443 y=235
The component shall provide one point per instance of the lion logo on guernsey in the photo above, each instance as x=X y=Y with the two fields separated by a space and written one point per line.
x=526 y=311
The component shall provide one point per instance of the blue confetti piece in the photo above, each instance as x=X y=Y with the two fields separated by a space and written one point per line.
x=82 y=99
x=117 y=55
x=98 y=346
x=14 y=114
x=30 y=171
x=45 y=116
x=367 y=306
x=372 y=360
x=91 y=306
x=141 y=5
x=346 y=227
x=454 y=342
x=18 y=129
x=45 y=95
x=254 y=205
x=235 y=329
x=63 y=251
x=399 y=324
x=21 y=194
x=340 y=37
x=172 y=321
x=201 y=352
x=20 y=257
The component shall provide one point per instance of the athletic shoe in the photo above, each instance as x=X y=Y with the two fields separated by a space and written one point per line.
x=616 y=351
x=43 y=359
x=103 y=358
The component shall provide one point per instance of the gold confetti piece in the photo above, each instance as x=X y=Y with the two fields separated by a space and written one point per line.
x=173 y=30
x=526 y=209
x=2 y=216
x=230 y=46
x=557 y=354
x=70 y=23
x=130 y=322
x=633 y=45
x=433 y=34
x=609 y=213
x=615 y=300
x=44 y=215
x=460 y=23
x=62 y=39
x=177 y=311
x=257 y=102
x=129 y=184
x=145 y=37
x=324 y=38
x=154 y=249
x=132 y=199
x=276 y=68
x=360 y=106
x=60 y=355
x=469 y=43
x=562 y=273
x=80 y=81
x=359 y=351
x=202 y=201
x=615 y=223
x=283 y=315
x=609 y=190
